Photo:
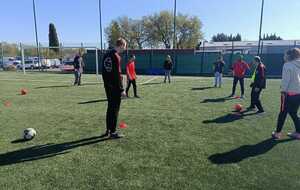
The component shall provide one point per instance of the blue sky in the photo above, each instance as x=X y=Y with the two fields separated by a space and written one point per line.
x=77 y=20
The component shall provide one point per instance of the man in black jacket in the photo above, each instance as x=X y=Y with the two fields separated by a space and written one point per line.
x=113 y=84
x=259 y=83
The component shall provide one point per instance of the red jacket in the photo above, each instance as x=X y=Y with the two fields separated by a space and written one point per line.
x=130 y=70
x=239 y=68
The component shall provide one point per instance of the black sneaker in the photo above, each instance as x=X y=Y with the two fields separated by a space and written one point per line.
x=136 y=96
x=116 y=136
x=260 y=112
x=106 y=134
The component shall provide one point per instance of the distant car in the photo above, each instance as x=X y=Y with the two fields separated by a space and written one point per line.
x=67 y=66
x=29 y=64
x=51 y=63
x=9 y=63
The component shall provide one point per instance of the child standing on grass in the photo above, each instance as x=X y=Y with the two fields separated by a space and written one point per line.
x=259 y=83
x=218 y=69
x=290 y=93
x=168 y=68
x=131 y=76
x=78 y=69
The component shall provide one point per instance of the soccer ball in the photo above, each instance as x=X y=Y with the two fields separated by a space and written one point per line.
x=29 y=133
x=24 y=91
x=238 y=107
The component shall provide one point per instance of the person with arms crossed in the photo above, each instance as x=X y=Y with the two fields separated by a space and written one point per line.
x=113 y=84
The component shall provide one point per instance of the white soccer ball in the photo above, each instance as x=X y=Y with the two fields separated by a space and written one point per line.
x=29 y=133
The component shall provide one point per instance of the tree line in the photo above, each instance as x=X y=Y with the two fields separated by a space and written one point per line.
x=156 y=31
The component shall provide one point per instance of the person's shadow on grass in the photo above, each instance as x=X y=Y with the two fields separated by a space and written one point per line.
x=217 y=100
x=92 y=101
x=45 y=151
x=245 y=152
x=202 y=88
x=65 y=86
x=230 y=117
x=56 y=86
x=151 y=83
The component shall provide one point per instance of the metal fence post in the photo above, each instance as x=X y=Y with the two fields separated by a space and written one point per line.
x=23 y=58
x=202 y=58
x=2 y=54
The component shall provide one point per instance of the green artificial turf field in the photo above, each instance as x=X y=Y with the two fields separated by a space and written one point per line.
x=181 y=135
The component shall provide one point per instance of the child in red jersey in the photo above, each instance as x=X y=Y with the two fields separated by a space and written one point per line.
x=131 y=76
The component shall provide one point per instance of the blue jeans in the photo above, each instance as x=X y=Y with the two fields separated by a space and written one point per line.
x=167 y=74
x=77 y=74
x=218 y=79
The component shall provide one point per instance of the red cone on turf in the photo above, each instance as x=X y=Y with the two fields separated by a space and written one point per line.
x=123 y=125
x=24 y=91
x=237 y=97
x=7 y=103
x=238 y=107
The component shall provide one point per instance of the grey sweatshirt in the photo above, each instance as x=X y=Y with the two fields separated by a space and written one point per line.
x=291 y=77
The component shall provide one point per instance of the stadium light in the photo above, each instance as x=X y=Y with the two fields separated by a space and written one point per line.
x=36 y=34
x=174 y=39
x=260 y=28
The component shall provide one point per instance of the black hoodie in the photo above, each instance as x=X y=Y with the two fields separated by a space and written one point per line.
x=111 y=70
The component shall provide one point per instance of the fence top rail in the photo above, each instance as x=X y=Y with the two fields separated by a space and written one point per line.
x=61 y=47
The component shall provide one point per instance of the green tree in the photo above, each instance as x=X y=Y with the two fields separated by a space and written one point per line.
x=188 y=31
x=53 y=38
x=112 y=32
x=10 y=50
x=271 y=37
x=221 y=37
x=156 y=31
x=160 y=28
x=139 y=35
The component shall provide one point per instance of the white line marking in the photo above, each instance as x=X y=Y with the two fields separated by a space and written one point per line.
x=149 y=80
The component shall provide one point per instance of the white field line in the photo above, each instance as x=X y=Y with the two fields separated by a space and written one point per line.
x=50 y=81
x=149 y=80
x=99 y=80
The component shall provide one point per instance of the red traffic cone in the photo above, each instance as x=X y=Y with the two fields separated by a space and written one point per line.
x=7 y=103
x=123 y=125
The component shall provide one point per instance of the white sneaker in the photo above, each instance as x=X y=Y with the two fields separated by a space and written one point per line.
x=294 y=135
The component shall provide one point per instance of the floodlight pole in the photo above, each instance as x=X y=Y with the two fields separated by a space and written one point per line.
x=36 y=34
x=174 y=39
x=100 y=21
x=260 y=28
x=101 y=38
